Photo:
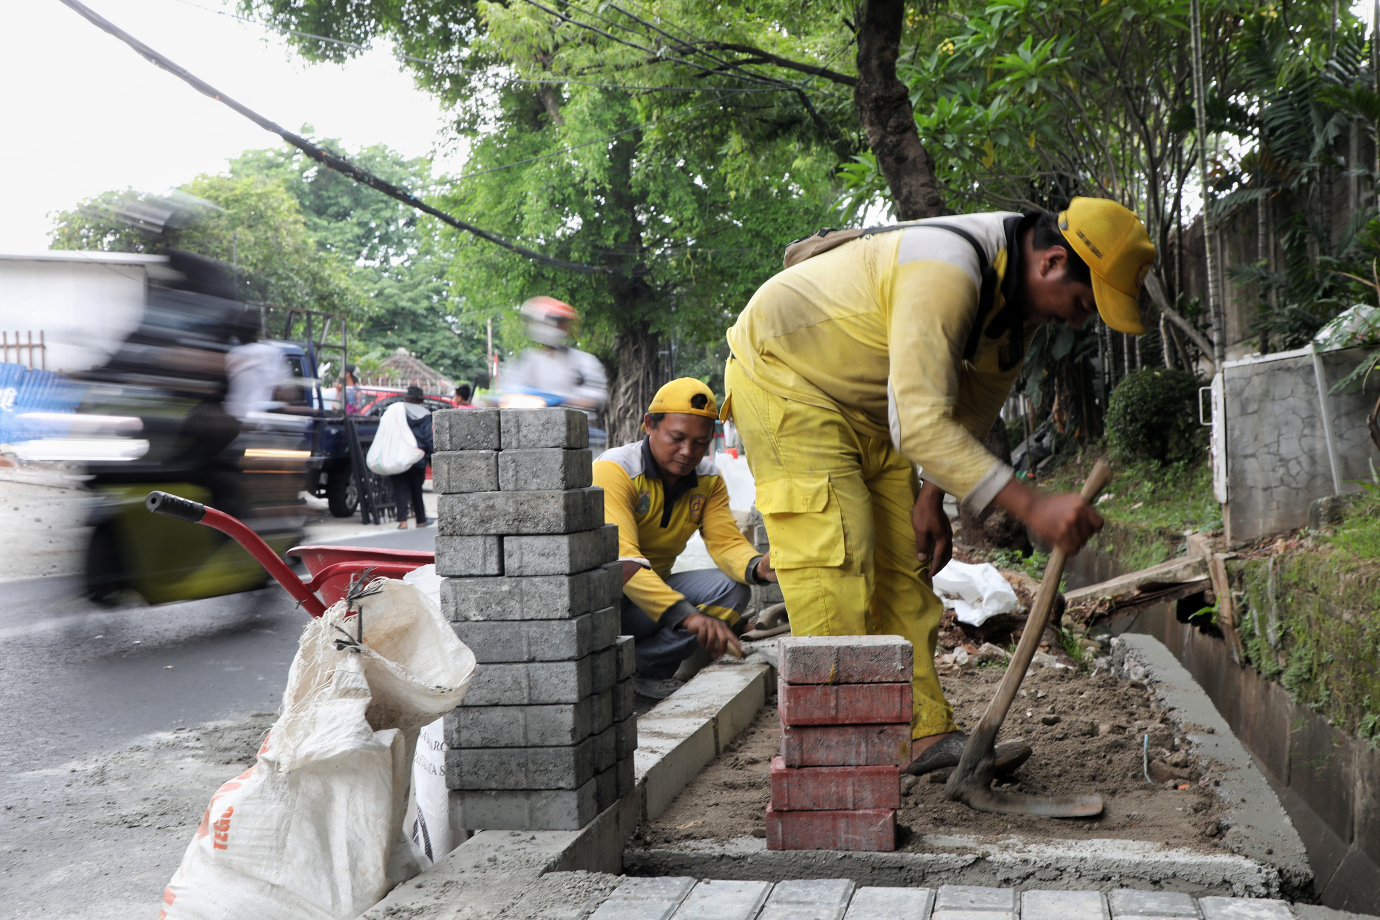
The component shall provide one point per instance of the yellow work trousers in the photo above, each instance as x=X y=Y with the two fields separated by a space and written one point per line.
x=837 y=506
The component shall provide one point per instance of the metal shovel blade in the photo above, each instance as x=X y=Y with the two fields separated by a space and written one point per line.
x=971 y=780
x=985 y=798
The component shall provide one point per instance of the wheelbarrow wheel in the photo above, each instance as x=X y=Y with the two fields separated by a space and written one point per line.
x=105 y=567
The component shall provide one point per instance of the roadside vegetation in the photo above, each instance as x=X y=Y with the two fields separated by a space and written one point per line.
x=1309 y=609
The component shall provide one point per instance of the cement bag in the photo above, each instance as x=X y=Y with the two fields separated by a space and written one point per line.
x=314 y=829
x=395 y=446
x=975 y=592
x=429 y=823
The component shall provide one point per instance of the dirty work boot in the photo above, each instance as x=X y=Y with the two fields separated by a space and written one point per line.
x=655 y=689
x=945 y=755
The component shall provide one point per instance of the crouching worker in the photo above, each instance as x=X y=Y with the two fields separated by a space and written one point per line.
x=659 y=491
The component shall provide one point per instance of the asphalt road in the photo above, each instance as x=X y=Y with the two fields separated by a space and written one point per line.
x=76 y=678
x=119 y=724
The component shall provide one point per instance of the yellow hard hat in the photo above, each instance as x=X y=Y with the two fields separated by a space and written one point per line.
x=676 y=397
x=1113 y=241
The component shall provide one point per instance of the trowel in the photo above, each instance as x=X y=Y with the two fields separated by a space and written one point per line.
x=971 y=780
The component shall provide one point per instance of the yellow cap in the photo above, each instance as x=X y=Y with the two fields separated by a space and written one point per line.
x=676 y=395
x=1113 y=241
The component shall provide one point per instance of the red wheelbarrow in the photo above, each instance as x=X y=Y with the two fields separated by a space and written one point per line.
x=332 y=568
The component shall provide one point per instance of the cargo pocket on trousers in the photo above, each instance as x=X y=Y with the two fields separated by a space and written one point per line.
x=803 y=520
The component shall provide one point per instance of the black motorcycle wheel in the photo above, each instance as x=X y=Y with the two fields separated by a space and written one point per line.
x=342 y=494
x=105 y=567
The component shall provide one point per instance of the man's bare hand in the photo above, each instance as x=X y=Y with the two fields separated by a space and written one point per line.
x=764 y=569
x=934 y=534
x=713 y=633
x=1066 y=521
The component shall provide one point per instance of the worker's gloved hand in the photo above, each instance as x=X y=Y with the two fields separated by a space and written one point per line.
x=1066 y=521
x=934 y=533
x=713 y=633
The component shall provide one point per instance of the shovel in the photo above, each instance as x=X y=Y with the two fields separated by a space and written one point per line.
x=971 y=781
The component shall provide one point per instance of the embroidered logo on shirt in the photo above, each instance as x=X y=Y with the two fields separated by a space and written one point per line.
x=697 y=507
x=644 y=503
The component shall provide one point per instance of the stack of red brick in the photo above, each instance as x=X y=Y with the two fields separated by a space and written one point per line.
x=845 y=705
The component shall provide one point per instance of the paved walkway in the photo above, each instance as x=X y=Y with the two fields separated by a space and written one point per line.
x=841 y=899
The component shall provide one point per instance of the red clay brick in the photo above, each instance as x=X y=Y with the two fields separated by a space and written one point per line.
x=845 y=745
x=843 y=704
x=833 y=788
x=845 y=659
x=867 y=829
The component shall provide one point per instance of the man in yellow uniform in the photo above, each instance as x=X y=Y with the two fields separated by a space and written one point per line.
x=659 y=491
x=894 y=350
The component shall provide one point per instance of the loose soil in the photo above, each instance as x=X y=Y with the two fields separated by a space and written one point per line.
x=1094 y=745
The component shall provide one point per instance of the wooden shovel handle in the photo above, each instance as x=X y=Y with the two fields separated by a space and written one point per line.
x=986 y=733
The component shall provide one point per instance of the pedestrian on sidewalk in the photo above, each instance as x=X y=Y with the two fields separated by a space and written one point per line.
x=407 y=485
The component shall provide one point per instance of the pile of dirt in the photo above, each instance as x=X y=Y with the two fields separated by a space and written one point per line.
x=1087 y=732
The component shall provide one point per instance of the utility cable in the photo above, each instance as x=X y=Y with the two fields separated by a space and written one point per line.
x=453 y=68
x=322 y=156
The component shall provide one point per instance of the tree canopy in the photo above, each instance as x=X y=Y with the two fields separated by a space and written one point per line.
x=305 y=237
x=674 y=148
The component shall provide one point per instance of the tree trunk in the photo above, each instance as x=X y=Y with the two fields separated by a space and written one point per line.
x=883 y=105
x=639 y=371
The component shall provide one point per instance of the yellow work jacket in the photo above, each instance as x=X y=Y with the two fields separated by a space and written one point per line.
x=652 y=528
x=877 y=329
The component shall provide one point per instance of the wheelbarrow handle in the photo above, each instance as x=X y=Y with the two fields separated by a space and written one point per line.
x=175 y=506
x=196 y=513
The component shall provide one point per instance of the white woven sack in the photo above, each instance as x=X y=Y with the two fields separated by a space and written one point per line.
x=314 y=829
x=395 y=446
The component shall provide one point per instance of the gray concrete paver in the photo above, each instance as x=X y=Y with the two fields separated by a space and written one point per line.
x=808 y=899
x=645 y=899
x=723 y=900
x=971 y=897
x=1127 y=903
x=890 y=904
x=1244 y=909
x=1065 y=905
x=949 y=914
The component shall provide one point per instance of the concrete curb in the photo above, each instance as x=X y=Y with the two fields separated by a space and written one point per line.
x=494 y=869
x=1101 y=865
x=1257 y=825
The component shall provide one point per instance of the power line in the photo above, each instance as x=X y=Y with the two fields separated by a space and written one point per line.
x=455 y=68
x=322 y=156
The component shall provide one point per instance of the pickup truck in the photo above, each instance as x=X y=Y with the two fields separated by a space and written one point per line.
x=330 y=470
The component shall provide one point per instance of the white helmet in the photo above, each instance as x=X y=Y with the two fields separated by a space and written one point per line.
x=549 y=320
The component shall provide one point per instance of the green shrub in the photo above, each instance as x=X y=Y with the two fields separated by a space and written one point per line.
x=1153 y=415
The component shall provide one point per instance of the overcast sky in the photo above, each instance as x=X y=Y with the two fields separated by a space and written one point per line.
x=82 y=113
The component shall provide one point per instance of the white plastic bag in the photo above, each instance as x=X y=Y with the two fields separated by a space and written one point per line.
x=395 y=446
x=976 y=593
x=315 y=829
x=429 y=823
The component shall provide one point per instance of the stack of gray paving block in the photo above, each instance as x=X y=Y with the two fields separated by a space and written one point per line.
x=545 y=736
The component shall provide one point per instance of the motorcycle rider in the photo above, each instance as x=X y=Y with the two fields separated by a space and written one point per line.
x=554 y=367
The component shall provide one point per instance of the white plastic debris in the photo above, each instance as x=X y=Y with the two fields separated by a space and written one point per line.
x=975 y=593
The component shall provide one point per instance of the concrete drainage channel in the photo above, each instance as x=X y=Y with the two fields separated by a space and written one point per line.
x=539 y=874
